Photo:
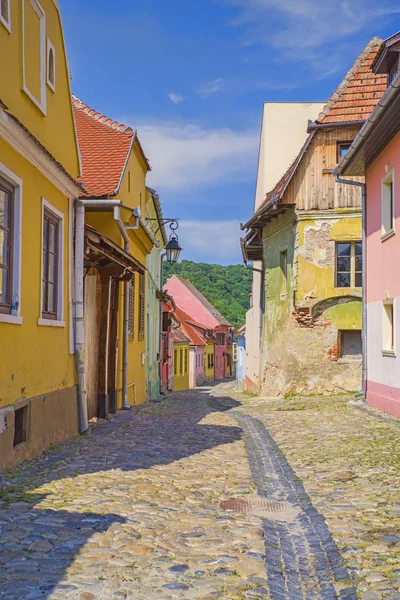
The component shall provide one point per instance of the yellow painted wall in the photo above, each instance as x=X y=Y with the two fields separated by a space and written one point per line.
x=209 y=373
x=34 y=359
x=56 y=132
x=132 y=193
x=319 y=281
x=181 y=367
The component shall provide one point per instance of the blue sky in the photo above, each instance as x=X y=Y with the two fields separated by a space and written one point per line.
x=191 y=76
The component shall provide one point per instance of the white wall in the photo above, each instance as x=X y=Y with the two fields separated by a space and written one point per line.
x=283 y=132
x=382 y=369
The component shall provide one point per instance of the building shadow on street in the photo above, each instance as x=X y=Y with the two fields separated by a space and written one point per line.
x=38 y=545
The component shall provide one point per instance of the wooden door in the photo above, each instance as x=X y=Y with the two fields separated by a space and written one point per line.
x=92 y=315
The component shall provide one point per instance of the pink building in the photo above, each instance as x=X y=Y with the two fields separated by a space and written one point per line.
x=196 y=334
x=375 y=153
x=188 y=297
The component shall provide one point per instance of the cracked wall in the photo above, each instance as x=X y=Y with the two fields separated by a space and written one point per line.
x=302 y=329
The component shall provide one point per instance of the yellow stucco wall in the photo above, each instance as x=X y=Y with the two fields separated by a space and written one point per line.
x=209 y=350
x=56 y=132
x=316 y=270
x=34 y=359
x=181 y=367
x=132 y=193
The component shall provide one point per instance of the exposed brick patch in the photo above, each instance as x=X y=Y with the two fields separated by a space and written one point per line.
x=318 y=239
x=333 y=353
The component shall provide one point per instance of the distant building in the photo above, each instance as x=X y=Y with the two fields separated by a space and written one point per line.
x=188 y=297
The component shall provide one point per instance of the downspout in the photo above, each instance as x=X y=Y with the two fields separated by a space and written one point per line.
x=125 y=335
x=363 y=282
x=79 y=298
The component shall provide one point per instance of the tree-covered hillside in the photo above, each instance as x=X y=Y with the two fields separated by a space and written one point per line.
x=227 y=288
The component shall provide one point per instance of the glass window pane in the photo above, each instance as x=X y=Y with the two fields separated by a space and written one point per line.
x=45 y=233
x=50 y=298
x=343 y=263
x=53 y=230
x=358 y=263
x=344 y=249
x=343 y=280
x=358 y=281
x=52 y=268
x=4 y=240
x=44 y=295
x=358 y=249
x=4 y=209
x=3 y=285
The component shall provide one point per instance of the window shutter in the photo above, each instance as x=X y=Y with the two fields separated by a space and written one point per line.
x=131 y=323
x=141 y=306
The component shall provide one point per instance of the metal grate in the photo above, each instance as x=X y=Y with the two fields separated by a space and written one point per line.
x=255 y=505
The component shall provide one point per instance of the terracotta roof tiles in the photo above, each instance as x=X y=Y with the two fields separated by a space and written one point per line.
x=196 y=338
x=105 y=146
x=359 y=92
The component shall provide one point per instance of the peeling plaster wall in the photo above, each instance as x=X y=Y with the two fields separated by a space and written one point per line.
x=301 y=329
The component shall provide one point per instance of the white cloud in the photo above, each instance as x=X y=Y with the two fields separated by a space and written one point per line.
x=176 y=98
x=301 y=28
x=213 y=241
x=189 y=156
x=210 y=87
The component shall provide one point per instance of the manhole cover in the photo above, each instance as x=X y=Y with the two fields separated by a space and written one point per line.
x=261 y=507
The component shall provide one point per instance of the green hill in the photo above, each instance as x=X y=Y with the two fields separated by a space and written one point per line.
x=227 y=288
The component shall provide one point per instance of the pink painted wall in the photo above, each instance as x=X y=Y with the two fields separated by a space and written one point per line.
x=382 y=253
x=200 y=365
x=382 y=281
x=220 y=363
x=189 y=303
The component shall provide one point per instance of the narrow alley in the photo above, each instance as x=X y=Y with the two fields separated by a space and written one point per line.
x=138 y=508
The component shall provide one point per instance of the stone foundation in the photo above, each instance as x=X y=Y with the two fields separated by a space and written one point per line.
x=49 y=419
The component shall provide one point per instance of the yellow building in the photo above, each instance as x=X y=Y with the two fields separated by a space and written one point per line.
x=181 y=360
x=118 y=239
x=39 y=164
x=209 y=361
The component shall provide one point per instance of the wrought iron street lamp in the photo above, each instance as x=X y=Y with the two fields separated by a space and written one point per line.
x=173 y=248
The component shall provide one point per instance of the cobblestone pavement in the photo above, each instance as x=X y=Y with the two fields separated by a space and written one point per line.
x=133 y=511
x=347 y=456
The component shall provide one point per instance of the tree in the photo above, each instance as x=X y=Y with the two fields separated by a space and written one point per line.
x=227 y=288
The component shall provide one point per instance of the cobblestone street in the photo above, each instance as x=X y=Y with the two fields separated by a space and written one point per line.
x=133 y=511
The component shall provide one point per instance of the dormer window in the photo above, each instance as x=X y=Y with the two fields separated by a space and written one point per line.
x=51 y=66
x=5 y=14
x=342 y=150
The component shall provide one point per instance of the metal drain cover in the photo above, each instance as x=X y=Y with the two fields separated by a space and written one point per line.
x=261 y=507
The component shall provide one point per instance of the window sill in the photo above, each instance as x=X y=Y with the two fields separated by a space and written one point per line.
x=388 y=353
x=5 y=23
x=50 y=323
x=13 y=319
x=387 y=234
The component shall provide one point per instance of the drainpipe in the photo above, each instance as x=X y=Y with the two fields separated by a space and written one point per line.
x=79 y=297
x=125 y=336
x=364 y=305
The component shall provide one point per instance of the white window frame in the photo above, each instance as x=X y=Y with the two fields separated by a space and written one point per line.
x=41 y=104
x=388 y=302
x=59 y=322
x=389 y=177
x=52 y=85
x=16 y=182
x=3 y=20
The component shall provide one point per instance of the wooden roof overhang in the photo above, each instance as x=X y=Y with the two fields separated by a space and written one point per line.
x=378 y=137
x=103 y=253
x=251 y=244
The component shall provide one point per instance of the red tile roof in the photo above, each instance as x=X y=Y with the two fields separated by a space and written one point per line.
x=188 y=329
x=359 y=92
x=105 y=146
x=211 y=309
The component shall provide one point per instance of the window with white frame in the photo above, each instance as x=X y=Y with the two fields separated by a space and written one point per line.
x=5 y=14
x=388 y=327
x=34 y=52
x=348 y=264
x=52 y=265
x=10 y=245
x=388 y=204
x=51 y=66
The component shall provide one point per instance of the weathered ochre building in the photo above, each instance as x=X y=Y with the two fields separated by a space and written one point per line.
x=307 y=235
